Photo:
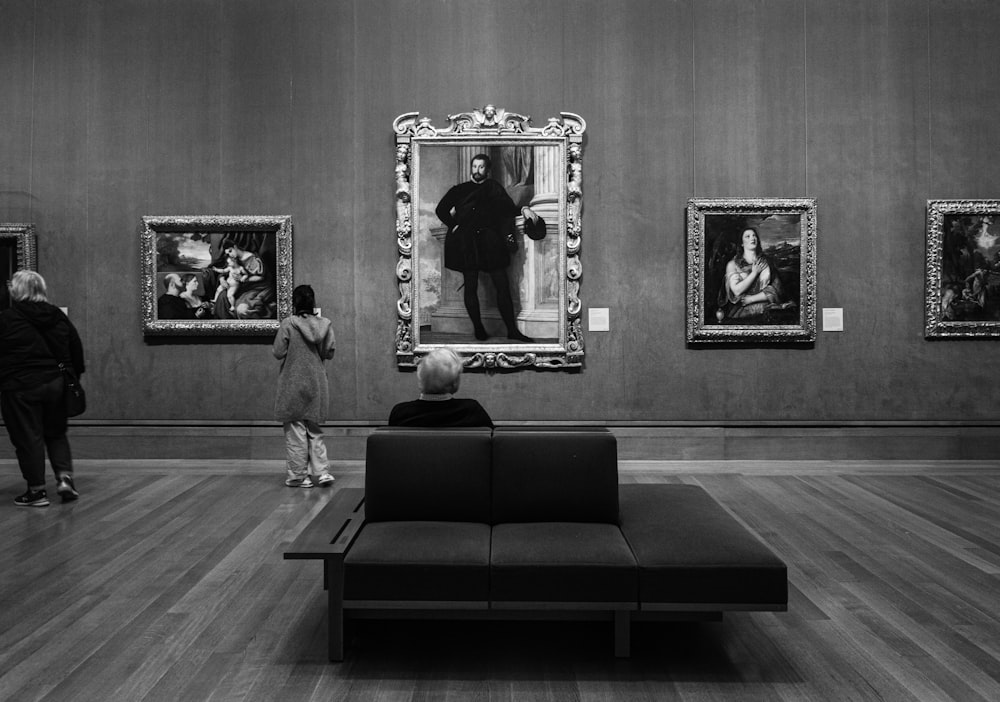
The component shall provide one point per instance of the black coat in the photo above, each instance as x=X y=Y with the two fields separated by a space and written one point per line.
x=26 y=360
x=477 y=230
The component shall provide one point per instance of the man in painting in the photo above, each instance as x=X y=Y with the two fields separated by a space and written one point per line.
x=476 y=213
x=170 y=305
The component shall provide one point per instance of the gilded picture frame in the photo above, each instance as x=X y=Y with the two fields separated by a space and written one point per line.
x=18 y=251
x=962 y=274
x=751 y=270
x=513 y=233
x=215 y=275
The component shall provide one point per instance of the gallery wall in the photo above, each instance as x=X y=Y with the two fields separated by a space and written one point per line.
x=110 y=110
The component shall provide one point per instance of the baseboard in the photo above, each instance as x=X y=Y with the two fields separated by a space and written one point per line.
x=685 y=442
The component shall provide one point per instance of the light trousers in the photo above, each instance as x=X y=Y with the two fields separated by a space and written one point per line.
x=304 y=449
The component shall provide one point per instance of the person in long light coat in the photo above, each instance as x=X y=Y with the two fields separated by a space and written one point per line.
x=303 y=344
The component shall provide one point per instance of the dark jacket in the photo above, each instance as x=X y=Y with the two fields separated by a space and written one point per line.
x=453 y=412
x=483 y=212
x=26 y=360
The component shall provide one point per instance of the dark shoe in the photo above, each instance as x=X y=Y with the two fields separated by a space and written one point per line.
x=481 y=334
x=518 y=336
x=32 y=498
x=65 y=489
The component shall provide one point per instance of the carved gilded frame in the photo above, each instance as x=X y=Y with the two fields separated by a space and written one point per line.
x=18 y=251
x=962 y=288
x=192 y=246
x=786 y=312
x=542 y=165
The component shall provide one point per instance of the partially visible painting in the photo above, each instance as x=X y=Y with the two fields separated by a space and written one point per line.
x=215 y=275
x=751 y=269
x=962 y=288
x=17 y=252
x=488 y=224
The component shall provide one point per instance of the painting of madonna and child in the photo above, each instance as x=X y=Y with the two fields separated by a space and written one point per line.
x=963 y=288
x=489 y=244
x=749 y=276
x=208 y=278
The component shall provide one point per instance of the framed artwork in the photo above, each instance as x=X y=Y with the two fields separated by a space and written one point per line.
x=751 y=270
x=17 y=252
x=962 y=289
x=488 y=230
x=216 y=276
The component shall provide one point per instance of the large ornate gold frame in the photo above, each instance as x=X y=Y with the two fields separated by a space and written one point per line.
x=801 y=329
x=944 y=290
x=562 y=140
x=278 y=225
x=21 y=238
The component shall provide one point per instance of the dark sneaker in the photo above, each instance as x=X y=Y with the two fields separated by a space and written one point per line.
x=66 y=490
x=32 y=498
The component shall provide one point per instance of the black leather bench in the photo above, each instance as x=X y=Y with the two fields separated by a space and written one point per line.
x=520 y=522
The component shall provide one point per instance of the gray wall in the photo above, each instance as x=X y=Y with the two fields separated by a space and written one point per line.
x=117 y=109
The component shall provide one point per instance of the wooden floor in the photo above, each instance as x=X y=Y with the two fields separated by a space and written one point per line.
x=166 y=582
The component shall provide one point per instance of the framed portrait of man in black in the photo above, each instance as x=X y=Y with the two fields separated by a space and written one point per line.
x=215 y=275
x=962 y=281
x=18 y=251
x=751 y=270
x=488 y=231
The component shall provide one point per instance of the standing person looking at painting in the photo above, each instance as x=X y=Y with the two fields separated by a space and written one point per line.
x=303 y=343
x=475 y=213
x=35 y=337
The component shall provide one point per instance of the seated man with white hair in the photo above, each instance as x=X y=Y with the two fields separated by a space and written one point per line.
x=438 y=376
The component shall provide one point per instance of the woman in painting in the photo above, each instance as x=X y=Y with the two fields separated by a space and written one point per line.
x=751 y=286
x=255 y=298
x=189 y=294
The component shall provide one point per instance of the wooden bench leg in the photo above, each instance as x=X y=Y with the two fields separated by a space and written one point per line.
x=334 y=576
x=623 y=633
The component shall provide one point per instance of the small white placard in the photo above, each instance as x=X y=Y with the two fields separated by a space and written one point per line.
x=65 y=310
x=833 y=319
x=598 y=319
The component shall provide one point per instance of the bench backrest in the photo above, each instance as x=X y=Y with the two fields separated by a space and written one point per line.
x=555 y=475
x=428 y=475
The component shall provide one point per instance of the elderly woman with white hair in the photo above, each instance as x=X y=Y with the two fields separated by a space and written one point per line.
x=438 y=376
x=35 y=338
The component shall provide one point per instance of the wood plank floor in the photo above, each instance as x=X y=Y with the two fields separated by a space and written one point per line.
x=166 y=582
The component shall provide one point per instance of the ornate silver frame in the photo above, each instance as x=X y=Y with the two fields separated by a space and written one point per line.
x=957 y=299
x=21 y=237
x=709 y=249
x=218 y=226
x=559 y=145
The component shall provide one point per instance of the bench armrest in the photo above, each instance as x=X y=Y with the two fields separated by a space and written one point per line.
x=332 y=531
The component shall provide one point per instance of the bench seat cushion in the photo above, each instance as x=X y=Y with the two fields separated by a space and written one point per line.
x=419 y=560
x=691 y=551
x=561 y=562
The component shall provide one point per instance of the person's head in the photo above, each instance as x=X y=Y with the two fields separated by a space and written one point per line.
x=189 y=281
x=439 y=372
x=172 y=283
x=750 y=240
x=28 y=286
x=303 y=299
x=480 y=167
x=230 y=248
